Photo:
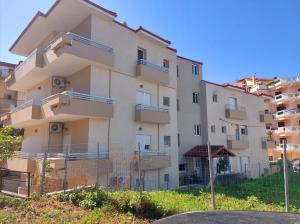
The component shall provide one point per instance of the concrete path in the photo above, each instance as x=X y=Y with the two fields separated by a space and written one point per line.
x=232 y=217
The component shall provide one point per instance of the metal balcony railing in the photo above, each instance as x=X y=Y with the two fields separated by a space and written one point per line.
x=150 y=152
x=287 y=80
x=233 y=107
x=26 y=104
x=80 y=96
x=149 y=107
x=68 y=156
x=155 y=66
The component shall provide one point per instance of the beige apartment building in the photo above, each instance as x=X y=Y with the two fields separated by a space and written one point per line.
x=93 y=83
x=284 y=106
x=229 y=118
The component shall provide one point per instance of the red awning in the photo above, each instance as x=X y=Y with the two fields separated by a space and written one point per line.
x=202 y=151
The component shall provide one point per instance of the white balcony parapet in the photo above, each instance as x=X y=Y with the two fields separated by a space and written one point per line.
x=149 y=107
x=236 y=137
x=292 y=129
x=290 y=146
x=155 y=66
x=286 y=96
x=69 y=156
x=287 y=80
x=26 y=104
x=81 y=96
x=28 y=59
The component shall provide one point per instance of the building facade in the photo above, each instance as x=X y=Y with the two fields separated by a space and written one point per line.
x=92 y=82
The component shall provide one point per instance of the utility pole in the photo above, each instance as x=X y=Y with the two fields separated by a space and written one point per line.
x=211 y=175
x=286 y=178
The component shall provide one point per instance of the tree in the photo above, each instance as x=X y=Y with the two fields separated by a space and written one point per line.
x=223 y=164
x=9 y=143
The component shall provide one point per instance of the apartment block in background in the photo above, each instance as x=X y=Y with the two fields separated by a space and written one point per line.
x=286 y=107
x=96 y=85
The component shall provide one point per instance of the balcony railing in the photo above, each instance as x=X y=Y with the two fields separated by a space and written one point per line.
x=232 y=107
x=5 y=72
x=81 y=39
x=290 y=146
x=26 y=104
x=29 y=58
x=149 y=107
x=286 y=96
x=155 y=66
x=150 y=153
x=236 y=137
x=80 y=96
x=68 y=156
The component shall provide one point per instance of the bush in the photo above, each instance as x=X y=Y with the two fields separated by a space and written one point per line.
x=280 y=165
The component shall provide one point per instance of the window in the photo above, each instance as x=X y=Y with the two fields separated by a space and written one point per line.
x=195 y=69
x=9 y=97
x=197 y=130
x=177 y=105
x=197 y=163
x=143 y=98
x=177 y=71
x=166 y=101
x=244 y=130
x=281 y=124
x=166 y=63
x=215 y=98
x=224 y=129
x=268 y=126
x=141 y=54
x=182 y=167
x=178 y=139
x=196 y=97
x=167 y=141
x=213 y=128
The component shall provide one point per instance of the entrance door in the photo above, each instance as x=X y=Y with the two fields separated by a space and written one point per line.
x=67 y=143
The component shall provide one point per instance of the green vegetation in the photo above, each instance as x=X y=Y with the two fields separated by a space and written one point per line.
x=9 y=143
x=102 y=206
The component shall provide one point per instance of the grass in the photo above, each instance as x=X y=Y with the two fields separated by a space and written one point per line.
x=102 y=206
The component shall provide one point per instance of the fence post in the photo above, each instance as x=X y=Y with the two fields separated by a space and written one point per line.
x=212 y=190
x=44 y=173
x=28 y=183
x=66 y=169
x=286 y=178
x=98 y=165
x=139 y=170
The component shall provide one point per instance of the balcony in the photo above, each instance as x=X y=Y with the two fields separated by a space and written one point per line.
x=284 y=114
x=64 y=55
x=285 y=81
x=150 y=160
x=268 y=143
x=237 y=142
x=267 y=118
x=286 y=97
x=25 y=114
x=288 y=130
x=236 y=113
x=152 y=72
x=151 y=114
x=290 y=147
x=73 y=104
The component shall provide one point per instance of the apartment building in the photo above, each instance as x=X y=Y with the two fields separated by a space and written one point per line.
x=284 y=106
x=225 y=117
x=8 y=98
x=94 y=83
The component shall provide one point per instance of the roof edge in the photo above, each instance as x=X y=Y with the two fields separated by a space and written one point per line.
x=2 y=63
x=191 y=60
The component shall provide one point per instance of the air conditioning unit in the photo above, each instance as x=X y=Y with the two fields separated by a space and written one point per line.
x=56 y=127
x=58 y=82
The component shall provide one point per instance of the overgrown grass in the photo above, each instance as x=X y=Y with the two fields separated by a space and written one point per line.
x=103 y=206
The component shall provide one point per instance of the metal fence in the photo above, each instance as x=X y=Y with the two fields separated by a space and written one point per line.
x=218 y=172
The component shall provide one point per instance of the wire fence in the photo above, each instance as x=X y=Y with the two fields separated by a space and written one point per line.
x=218 y=173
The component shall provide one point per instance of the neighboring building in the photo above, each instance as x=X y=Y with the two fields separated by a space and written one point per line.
x=230 y=118
x=90 y=81
x=286 y=107
x=254 y=84
x=8 y=98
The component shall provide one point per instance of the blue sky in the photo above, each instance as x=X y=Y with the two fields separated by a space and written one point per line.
x=233 y=38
